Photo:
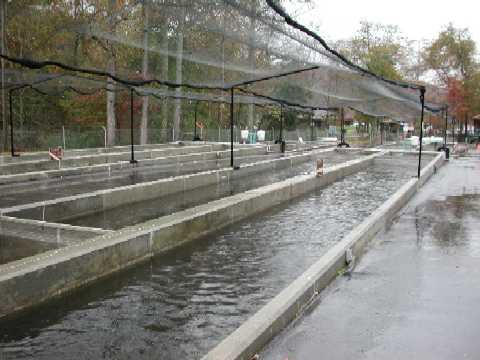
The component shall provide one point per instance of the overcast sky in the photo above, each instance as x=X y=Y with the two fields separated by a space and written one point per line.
x=417 y=19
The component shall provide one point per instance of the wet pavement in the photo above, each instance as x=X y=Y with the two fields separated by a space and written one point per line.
x=414 y=295
x=179 y=305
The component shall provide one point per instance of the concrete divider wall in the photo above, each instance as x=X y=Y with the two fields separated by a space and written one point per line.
x=73 y=206
x=33 y=280
x=222 y=157
x=217 y=214
x=87 y=160
x=270 y=320
x=60 y=234
x=42 y=155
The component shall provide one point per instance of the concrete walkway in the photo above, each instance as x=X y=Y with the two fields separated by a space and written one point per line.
x=415 y=294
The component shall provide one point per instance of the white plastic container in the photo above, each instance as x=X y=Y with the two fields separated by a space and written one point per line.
x=244 y=134
x=414 y=141
x=436 y=140
x=261 y=135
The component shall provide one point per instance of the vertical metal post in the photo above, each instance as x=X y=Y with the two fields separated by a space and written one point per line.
x=381 y=133
x=342 y=127
x=446 y=127
x=454 y=124
x=132 y=159
x=282 y=148
x=10 y=100
x=422 y=100
x=195 y=123
x=281 y=123
x=231 y=126
x=311 y=126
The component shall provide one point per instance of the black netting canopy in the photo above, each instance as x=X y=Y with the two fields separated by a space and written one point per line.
x=242 y=52
x=193 y=50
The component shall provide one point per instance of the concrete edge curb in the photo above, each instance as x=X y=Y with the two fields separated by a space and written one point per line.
x=100 y=158
x=45 y=224
x=124 y=164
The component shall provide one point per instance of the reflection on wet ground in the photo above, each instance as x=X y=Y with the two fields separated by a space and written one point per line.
x=415 y=294
x=15 y=248
x=445 y=223
x=446 y=220
x=181 y=304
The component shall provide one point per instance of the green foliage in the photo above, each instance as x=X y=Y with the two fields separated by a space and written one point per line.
x=380 y=48
x=99 y=33
x=452 y=54
x=294 y=94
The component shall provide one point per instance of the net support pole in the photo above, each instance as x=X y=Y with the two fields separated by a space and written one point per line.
x=381 y=133
x=422 y=100
x=446 y=127
x=195 y=138
x=282 y=142
x=281 y=123
x=132 y=158
x=342 y=134
x=342 y=129
x=311 y=126
x=232 y=91
x=10 y=103
x=454 y=123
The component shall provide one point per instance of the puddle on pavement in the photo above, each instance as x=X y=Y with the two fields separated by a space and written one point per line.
x=448 y=223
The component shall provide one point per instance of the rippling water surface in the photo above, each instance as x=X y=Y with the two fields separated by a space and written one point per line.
x=181 y=304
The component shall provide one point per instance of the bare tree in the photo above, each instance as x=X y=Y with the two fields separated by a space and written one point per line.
x=111 y=68
x=164 y=69
x=179 y=63
x=145 y=99
x=3 y=10
x=251 y=58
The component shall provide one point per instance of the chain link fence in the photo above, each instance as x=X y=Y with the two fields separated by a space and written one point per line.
x=67 y=138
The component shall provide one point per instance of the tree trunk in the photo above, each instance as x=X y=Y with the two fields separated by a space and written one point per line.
x=251 y=61
x=164 y=72
x=179 y=63
x=111 y=116
x=145 y=99
x=111 y=68
x=3 y=16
